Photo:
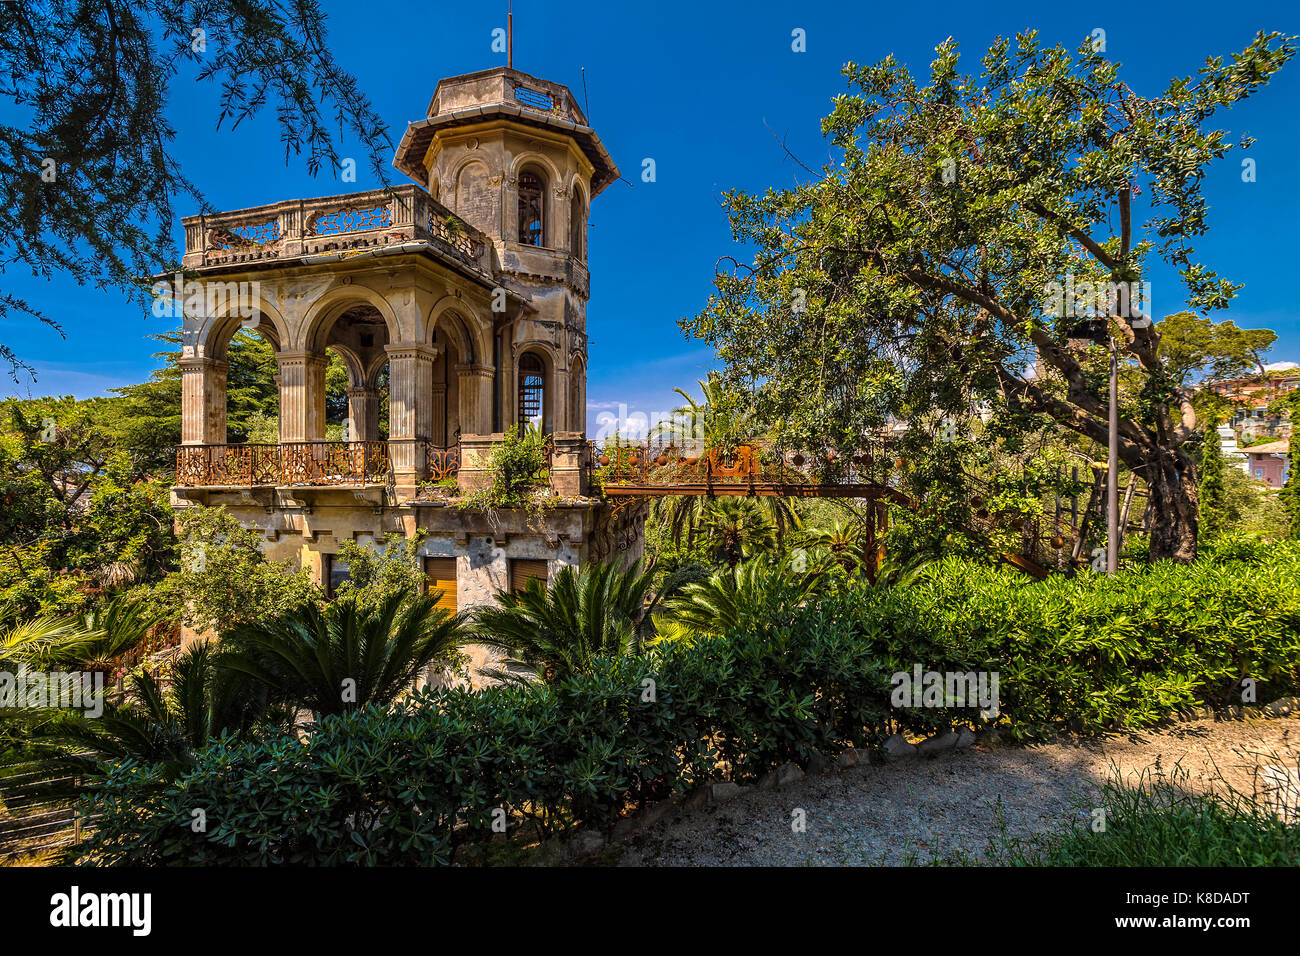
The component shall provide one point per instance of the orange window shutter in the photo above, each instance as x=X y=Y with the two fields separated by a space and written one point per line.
x=523 y=570
x=440 y=575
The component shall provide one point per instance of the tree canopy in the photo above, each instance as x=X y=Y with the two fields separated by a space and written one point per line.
x=93 y=175
x=920 y=274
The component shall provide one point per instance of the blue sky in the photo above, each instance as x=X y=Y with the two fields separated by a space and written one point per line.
x=706 y=90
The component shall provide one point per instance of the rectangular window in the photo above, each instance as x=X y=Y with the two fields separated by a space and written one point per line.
x=523 y=570
x=336 y=572
x=440 y=575
x=1259 y=472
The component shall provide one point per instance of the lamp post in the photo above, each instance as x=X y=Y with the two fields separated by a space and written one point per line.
x=1112 y=466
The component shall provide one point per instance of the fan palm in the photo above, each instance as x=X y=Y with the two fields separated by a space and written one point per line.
x=584 y=614
x=347 y=655
x=737 y=529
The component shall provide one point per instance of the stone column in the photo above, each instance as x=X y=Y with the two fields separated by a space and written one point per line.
x=410 y=412
x=302 y=396
x=475 y=398
x=363 y=409
x=203 y=401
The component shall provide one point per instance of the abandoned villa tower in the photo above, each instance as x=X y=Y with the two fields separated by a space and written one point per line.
x=471 y=289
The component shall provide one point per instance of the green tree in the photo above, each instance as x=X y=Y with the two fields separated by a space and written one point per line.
x=375 y=574
x=77 y=517
x=1213 y=518
x=924 y=270
x=1288 y=406
x=92 y=172
x=1290 y=497
x=224 y=580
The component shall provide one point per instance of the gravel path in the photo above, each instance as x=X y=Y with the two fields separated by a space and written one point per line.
x=918 y=809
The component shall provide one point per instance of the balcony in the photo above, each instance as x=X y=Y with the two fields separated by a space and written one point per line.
x=303 y=464
x=409 y=468
x=333 y=224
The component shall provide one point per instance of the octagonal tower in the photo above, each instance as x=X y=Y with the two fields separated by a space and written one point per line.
x=513 y=156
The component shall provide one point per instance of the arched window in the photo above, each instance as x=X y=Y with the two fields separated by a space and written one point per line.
x=577 y=226
x=532 y=390
x=531 y=229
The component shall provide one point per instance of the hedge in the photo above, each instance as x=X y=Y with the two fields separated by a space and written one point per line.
x=413 y=784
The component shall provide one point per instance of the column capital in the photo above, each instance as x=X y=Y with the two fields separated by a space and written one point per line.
x=412 y=350
x=474 y=370
x=301 y=359
x=198 y=363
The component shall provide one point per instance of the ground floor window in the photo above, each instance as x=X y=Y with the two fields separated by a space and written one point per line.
x=523 y=570
x=335 y=573
x=440 y=575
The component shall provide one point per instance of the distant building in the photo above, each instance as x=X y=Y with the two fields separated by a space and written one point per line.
x=1251 y=397
x=1269 y=463
x=1233 y=456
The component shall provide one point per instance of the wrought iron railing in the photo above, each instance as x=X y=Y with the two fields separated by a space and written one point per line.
x=289 y=463
x=233 y=465
x=334 y=463
x=441 y=463
x=691 y=462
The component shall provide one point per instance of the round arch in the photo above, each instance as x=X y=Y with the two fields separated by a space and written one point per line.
x=541 y=160
x=545 y=356
x=577 y=397
x=448 y=317
x=214 y=335
x=326 y=310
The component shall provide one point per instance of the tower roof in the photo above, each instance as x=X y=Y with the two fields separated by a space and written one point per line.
x=506 y=94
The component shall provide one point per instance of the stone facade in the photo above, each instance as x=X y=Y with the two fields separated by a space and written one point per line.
x=452 y=285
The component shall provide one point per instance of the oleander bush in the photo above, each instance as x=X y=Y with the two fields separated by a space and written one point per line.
x=413 y=783
x=418 y=781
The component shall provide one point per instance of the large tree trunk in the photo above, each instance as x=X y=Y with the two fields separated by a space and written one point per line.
x=1174 y=505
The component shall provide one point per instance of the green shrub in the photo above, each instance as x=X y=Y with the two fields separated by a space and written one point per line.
x=389 y=787
x=1121 y=651
x=413 y=783
x=517 y=466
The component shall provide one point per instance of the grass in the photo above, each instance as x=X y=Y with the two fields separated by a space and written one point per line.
x=1155 y=821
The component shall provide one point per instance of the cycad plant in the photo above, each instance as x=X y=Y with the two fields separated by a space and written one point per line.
x=596 y=611
x=346 y=655
x=47 y=643
x=165 y=719
x=845 y=542
x=35 y=641
x=754 y=594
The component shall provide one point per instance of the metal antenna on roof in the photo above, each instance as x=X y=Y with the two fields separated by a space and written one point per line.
x=510 y=35
x=586 y=107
